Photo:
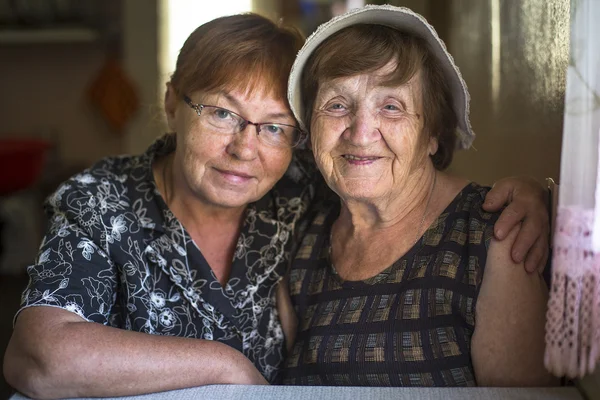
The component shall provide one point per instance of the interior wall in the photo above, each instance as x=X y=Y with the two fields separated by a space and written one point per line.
x=143 y=41
x=44 y=95
x=513 y=54
x=270 y=8
x=44 y=88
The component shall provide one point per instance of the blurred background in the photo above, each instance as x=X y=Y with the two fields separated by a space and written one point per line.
x=84 y=79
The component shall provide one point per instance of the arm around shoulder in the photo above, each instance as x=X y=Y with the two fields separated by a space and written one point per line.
x=508 y=341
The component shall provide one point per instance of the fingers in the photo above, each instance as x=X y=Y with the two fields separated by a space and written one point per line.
x=512 y=215
x=498 y=196
x=527 y=205
x=526 y=239
x=537 y=257
x=532 y=244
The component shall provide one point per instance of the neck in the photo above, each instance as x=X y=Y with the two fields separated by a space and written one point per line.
x=403 y=210
x=368 y=238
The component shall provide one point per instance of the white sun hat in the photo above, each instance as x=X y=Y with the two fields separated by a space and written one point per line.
x=402 y=19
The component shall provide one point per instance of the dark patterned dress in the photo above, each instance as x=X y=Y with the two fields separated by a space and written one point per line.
x=410 y=325
x=116 y=255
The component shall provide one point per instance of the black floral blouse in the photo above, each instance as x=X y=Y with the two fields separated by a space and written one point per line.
x=115 y=254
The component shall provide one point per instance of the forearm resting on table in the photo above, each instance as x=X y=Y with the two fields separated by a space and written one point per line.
x=508 y=342
x=53 y=353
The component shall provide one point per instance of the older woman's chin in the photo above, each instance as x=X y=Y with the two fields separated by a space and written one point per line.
x=359 y=190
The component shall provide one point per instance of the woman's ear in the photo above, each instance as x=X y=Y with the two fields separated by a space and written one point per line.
x=171 y=102
x=432 y=147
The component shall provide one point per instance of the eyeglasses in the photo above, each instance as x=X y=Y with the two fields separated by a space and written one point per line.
x=227 y=122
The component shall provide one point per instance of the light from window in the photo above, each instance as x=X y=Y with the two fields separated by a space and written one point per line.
x=186 y=15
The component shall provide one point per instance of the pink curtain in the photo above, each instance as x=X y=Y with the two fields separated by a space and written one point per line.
x=573 y=320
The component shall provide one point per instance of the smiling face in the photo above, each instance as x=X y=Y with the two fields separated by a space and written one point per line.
x=367 y=136
x=223 y=170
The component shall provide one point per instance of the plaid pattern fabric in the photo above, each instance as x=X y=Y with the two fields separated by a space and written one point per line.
x=410 y=325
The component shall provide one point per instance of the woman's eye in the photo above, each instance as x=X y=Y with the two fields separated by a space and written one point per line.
x=222 y=113
x=391 y=107
x=273 y=129
x=336 y=107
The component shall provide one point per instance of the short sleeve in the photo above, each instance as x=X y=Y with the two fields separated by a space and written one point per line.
x=72 y=271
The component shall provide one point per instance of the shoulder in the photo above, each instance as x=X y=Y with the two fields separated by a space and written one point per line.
x=110 y=173
x=123 y=177
x=464 y=220
x=471 y=198
x=469 y=204
x=106 y=190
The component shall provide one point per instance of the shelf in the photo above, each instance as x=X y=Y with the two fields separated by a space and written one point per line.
x=48 y=35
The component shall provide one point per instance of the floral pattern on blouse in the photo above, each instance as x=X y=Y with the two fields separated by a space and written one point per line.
x=115 y=254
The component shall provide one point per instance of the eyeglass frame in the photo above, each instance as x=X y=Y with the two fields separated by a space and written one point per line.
x=199 y=107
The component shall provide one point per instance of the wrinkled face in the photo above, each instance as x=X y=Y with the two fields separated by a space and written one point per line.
x=368 y=138
x=227 y=170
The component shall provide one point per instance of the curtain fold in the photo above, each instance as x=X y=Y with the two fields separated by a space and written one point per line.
x=573 y=319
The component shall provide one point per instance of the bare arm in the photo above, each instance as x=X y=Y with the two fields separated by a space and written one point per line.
x=508 y=342
x=54 y=353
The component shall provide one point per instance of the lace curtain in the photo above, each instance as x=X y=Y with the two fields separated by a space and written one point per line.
x=573 y=324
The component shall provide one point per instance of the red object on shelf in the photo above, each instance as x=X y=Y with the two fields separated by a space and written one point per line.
x=21 y=163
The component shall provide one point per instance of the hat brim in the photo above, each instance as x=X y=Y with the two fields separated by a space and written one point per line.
x=405 y=20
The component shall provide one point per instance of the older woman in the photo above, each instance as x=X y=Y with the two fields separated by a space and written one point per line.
x=401 y=283
x=160 y=271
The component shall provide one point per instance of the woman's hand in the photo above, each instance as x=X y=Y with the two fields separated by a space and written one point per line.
x=527 y=202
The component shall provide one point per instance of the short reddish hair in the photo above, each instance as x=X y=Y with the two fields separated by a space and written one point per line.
x=365 y=48
x=245 y=51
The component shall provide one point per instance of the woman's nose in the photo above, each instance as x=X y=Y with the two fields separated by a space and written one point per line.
x=244 y=144
x=363 y=128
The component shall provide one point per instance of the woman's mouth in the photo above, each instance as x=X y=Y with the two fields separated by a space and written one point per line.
x=235 y=177
x=360 y=160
